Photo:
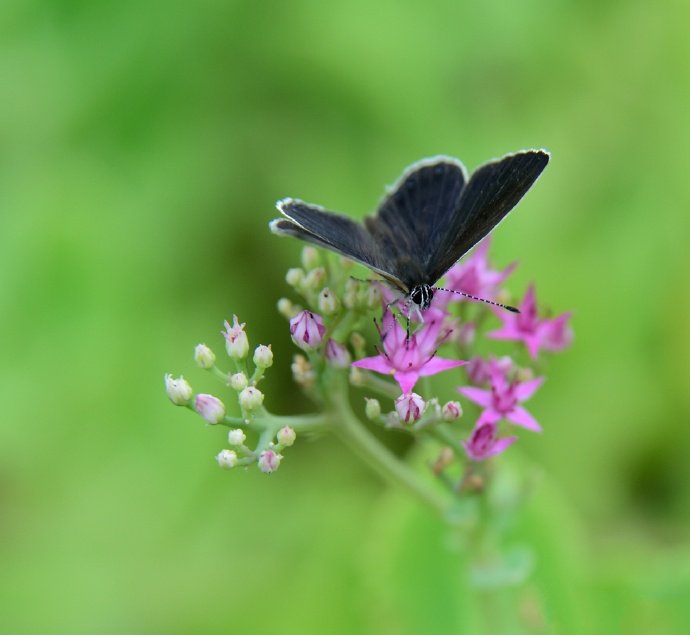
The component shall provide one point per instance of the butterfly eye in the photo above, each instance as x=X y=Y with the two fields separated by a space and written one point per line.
x=416 y=295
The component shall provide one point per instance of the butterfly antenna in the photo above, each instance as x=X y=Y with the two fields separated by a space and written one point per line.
x=507 y=307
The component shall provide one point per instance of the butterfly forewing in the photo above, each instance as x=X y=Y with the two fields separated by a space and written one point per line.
x=492 y=191
x=409 y=225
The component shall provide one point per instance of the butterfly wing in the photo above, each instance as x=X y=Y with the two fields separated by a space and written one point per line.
x=492 y=191
x=335 y=232
x=411 y=221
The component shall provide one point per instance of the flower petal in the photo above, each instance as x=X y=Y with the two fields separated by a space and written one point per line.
x=500 y=445
x=520 y=417
x=377 y=363
x=407 y=380
x=439 y=364
x=525 y=390
x=479 y=396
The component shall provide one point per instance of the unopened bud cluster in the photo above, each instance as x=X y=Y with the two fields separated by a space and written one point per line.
x=251 y=415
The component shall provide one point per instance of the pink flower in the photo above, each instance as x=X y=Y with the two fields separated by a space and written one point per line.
x=503 y=399
x=409 y=359
x=523 y=326
x=557 y=333
x=307 y=330
x=409 y=407
x=337 y=355
x=479 y=369
x=474 y=275
x=483 y=442
x=269 y=461
x=210 y=408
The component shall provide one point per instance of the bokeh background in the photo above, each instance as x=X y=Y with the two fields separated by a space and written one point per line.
x=142 y=146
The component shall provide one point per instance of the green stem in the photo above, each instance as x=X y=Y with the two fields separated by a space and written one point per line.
x=351 y=430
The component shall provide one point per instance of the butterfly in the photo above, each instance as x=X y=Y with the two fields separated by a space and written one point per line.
x=433 y=215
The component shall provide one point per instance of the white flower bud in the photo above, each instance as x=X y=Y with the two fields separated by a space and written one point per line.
x=373 y=300
x=203 y=356
x=372 y=409
x=179 y=390
x=286 y=308
x=269 y=461
x=294 y=277
x=315 y=278
x=328 y=302
x=236 y=342
x=238 y=381
x=210 y=408
x=286 y=436
x=356 y=376
x=310 y=258
x=263 y=356
x=452 y=411
x=236 y=436
x=251 y=398
x=227 y=459
x=410 y=407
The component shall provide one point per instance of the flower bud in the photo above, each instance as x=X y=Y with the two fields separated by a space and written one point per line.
x=269 y=461
x=445 y=457
x=251 y=398
x=210 y=408
x=204 y=356
x=286 y=436
x=310 y=258
x=373 y=297
x=294 y=277
x=227 y=459
x=328 y=303
x=484 y=443
x=524 y=374
x=179 y=390
x=315 y=278
x=350 y=298
x=307 y=330
x=356 y=376
x=287 y=308
x=337 y=355
x=409 y=407
x=358 y=343
x=263 y=356
x=236 y=342
x=238 y=381
x=302 y=371
x=236 y=436
x=452 y=411
x=372 y=409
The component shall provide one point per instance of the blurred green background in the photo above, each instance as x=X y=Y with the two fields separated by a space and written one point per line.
x=142 y=146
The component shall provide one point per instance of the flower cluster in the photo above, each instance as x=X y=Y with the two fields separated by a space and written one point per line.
x=340 y=319
x=272 y=436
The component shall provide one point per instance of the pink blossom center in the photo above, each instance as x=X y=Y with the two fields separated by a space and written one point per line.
x=503 y=399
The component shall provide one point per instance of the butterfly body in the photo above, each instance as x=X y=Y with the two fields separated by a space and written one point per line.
x=433 y=215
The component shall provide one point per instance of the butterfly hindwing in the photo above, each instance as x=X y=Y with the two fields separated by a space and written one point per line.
x=334 y=232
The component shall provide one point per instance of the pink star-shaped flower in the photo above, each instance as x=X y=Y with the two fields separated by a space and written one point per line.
x=550 y=334
x=474 y=275
x=484 y=442
x=502 y=400
x=409 y=359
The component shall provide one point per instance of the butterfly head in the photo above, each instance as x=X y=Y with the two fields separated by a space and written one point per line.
x=422 y=295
